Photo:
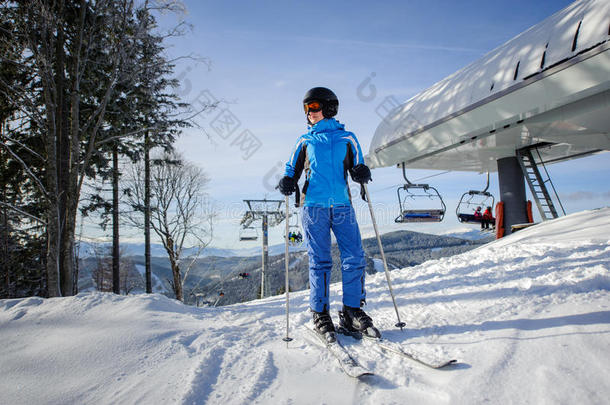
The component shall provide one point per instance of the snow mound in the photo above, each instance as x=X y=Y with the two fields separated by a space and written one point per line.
x=527 y=316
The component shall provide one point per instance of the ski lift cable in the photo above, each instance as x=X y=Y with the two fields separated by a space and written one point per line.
x=225 y=278
x=393 y=187
x=433 y=175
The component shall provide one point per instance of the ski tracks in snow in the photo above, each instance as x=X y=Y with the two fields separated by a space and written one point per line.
x=231 y=366
x=529 y=322
x=230 y=374
x=509 y=291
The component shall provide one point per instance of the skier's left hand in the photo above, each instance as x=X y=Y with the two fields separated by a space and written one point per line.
x=287 y=185
x=361 y=174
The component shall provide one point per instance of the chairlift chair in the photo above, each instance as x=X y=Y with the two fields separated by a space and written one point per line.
x=294 y=232
x=248 y=233
x=412 y=212
x=472 y=199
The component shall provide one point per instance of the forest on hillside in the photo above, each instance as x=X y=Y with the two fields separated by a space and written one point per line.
x=216 y=280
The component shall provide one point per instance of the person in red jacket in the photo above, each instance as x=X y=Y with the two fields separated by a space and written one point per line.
x=478 y=215
x=487 y=218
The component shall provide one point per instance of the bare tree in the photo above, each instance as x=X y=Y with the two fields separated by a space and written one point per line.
x=181 y=215
x=102 y=272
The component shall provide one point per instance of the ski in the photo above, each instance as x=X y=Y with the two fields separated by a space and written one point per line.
x=397 y=349
x=348 y=364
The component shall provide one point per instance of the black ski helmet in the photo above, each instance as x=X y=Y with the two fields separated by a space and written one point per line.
x=329 y=100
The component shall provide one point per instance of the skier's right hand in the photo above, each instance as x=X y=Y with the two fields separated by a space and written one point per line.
x=287 y=185
x=361 y=174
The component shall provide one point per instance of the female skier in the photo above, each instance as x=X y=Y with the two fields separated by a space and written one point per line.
x=326 y=153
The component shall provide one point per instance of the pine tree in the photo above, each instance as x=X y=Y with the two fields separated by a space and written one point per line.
x=80 y=83
x=21 y=226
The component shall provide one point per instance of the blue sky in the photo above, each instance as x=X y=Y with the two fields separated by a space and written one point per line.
x=261 y=57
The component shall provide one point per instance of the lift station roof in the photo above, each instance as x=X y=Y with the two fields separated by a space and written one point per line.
x=550 y=86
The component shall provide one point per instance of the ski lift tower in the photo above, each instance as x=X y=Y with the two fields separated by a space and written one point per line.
x=269 y=212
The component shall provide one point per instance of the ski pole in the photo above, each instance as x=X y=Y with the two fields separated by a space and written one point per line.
x=286 y=258
x=385 y=264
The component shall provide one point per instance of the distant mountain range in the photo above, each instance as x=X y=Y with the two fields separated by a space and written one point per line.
x=87 y=249
x=470 y=234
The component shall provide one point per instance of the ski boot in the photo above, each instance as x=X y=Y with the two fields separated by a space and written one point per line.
x=357 y=323
x=323 y=325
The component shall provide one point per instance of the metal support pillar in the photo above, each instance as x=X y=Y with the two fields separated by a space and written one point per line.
x=268 y=211
x=265 y=253
x=512 y=192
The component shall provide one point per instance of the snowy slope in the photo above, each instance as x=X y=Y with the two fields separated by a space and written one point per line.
x=528 y=317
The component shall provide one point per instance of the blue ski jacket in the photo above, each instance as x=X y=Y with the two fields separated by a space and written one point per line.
x=326 y=153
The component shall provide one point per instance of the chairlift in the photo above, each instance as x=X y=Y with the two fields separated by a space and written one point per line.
x=419 y=202
x=248 y=233
x=295 y=236
x=470 y=201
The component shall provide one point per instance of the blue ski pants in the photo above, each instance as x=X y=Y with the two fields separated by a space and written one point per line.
x=317 y=224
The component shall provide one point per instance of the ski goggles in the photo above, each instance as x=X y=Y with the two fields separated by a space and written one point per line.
x=313 y=106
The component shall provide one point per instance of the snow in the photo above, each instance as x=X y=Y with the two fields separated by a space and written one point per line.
x=527 y=316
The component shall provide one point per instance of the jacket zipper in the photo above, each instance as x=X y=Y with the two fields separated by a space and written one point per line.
x=332 y=168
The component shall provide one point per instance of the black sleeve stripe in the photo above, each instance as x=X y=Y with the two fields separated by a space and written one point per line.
x=300 y=163
x=348 y=161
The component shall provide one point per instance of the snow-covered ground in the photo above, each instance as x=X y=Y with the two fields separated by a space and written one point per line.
x=528 y=317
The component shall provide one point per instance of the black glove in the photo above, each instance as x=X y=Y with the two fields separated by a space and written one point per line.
x=361 y=174
x=287 y=185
